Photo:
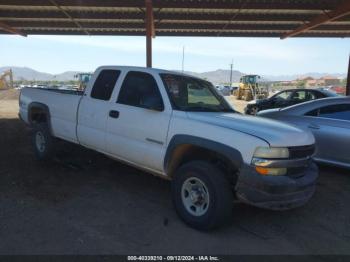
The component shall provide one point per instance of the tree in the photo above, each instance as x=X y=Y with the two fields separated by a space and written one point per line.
x=301 y=84
x=343 y=82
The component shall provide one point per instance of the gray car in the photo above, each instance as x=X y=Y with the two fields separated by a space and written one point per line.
x=329 y=121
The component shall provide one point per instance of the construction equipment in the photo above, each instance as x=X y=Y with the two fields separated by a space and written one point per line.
x=6 y=84
x=83 y=79
x=250 y=88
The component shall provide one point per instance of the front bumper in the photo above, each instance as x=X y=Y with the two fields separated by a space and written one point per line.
x=276 y=192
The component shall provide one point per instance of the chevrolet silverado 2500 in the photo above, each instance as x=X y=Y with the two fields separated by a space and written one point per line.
x=178 y=127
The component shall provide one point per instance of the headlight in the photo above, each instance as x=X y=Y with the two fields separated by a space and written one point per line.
x=271 y=152
x=264 y=155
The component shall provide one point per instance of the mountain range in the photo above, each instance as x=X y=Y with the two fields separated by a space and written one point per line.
x=217 y=76
x=26 y=73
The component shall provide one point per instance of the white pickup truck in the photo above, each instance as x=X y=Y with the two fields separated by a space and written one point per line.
x=179 y=127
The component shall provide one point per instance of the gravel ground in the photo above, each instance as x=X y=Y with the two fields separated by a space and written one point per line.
x=85 y=203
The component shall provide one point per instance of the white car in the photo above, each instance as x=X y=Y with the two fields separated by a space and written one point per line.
x=179 y=128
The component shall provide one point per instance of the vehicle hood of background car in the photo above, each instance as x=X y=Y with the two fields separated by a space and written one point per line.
x=270 y=112
x=276 y=133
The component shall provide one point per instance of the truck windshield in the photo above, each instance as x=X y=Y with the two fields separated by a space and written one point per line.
x=192 y=94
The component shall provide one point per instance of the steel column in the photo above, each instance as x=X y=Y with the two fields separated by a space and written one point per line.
x=149 y=32
x=348 y=80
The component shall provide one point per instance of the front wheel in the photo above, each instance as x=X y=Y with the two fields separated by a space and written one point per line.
x=202 y=195
x=254 y=110
x=42 y=142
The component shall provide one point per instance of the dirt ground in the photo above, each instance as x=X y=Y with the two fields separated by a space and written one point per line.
x=85 y=203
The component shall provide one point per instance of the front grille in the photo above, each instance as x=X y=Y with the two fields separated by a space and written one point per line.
x=301 y=151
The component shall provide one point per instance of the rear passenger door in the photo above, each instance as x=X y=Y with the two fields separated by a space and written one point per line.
x=138 y=121
x=94 y=109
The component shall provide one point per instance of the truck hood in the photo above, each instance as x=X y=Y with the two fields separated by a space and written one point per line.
x=276 y=133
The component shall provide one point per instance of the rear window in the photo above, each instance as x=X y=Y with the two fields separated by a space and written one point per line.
x=104 y=84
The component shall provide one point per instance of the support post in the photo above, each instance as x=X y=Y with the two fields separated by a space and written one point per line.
x=348 y=80
x=149 y=32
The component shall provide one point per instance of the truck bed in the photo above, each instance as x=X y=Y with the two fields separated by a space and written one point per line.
x=62 y=91
x=62 y=105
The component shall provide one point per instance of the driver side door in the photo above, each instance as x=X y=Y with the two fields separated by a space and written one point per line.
x=137 y=133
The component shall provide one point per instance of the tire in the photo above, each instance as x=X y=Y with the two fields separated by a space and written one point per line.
x=219 y=197
x=254 y=110
x=42 y=142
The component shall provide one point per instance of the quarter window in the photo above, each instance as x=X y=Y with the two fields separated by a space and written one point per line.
x=104 y=84
x=341 y=111
x=313 y=112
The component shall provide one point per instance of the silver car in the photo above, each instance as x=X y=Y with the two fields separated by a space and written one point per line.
x=329 y=121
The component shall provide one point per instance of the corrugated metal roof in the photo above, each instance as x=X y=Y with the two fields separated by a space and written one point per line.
x=265 y=18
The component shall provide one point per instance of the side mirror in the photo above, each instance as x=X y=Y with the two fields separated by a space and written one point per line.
x=152 y=103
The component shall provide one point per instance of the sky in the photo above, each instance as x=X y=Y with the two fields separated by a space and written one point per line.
x=264 y=56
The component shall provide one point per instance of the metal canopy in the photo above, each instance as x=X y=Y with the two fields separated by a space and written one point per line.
x=253 y=18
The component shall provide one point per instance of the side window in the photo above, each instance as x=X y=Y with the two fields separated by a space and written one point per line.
x=310 y=95
x=283 y=96
x=299 y=96
x=319 y=95
x=341 y=111
x=197 y=94
x=140 y=89
x=313 y=112
x=104 y=84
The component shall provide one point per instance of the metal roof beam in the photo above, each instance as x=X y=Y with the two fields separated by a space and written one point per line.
x=161 y=15
x=199 y=4
x=246 y=33
x=341 y=11
x=53 y=2
x=171 y=25
x=10 y=29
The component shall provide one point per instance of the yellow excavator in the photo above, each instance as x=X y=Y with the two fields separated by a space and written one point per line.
x=250 y=89
x=6 y=84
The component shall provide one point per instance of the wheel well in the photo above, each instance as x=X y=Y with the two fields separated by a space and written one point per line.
x=187 y=152
x=38 y=115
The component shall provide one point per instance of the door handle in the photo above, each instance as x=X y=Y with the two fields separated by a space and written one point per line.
x=114 y=114
x=314 y=126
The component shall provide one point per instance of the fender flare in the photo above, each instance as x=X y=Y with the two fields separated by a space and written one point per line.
x=232 y=154
x=45 y=108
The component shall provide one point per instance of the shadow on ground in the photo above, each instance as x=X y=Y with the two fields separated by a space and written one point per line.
x=85 y=203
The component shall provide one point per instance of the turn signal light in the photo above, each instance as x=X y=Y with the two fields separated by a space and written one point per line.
x=271 y=171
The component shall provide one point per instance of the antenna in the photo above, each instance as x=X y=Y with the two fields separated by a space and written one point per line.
x=231 y=65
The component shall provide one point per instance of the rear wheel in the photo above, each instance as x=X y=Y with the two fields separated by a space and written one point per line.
x=202 y=195
x=42 y=142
